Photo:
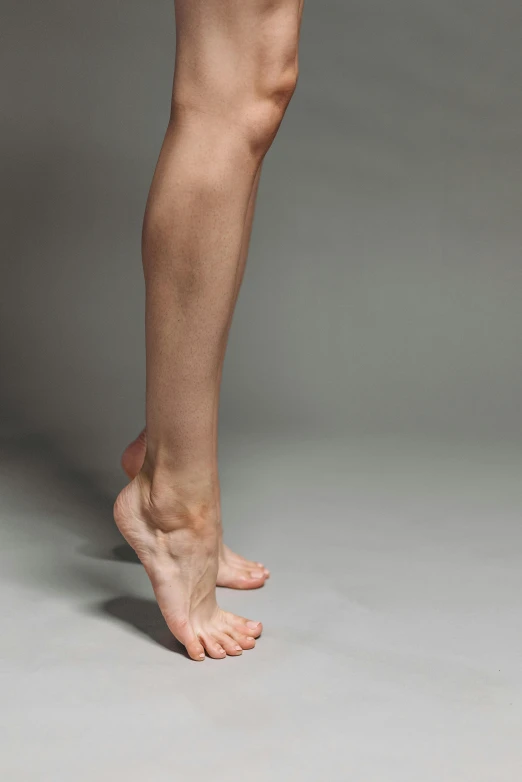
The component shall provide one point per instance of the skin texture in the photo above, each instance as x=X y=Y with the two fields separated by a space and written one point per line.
x=234 y=571
x=236 y=69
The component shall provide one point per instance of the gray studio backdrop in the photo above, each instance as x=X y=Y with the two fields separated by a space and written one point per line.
x=383 y=292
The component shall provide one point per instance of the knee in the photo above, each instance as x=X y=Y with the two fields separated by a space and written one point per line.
x=263 y=114
x=274 y=77
x=248 y=79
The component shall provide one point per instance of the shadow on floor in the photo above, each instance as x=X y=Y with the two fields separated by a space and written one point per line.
x=125 y=553
x=146 y=617
x=32 y=465
x=40 y=485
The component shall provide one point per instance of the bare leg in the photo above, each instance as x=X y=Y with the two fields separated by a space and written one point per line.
x=234 y=570
x=236 y=67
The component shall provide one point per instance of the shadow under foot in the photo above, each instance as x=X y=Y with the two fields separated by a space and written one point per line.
x=145 y=616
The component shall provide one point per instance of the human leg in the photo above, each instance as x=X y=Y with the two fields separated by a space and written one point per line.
x=236 y=68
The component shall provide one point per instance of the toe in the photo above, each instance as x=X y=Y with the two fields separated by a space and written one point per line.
x=241 y=625
x=244 y=563
x=260 y=566
x=252 y=579
x=230 y=645
x=195 y=651
x=185 y=634
x=213 y=647
x=244 y=641
x=241 y=578
x=248 y=626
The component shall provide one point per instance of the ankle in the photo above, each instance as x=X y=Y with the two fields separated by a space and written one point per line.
x=172 y=461
x=176 y=500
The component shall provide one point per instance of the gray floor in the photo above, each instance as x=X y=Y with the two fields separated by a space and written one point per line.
x=393 y=642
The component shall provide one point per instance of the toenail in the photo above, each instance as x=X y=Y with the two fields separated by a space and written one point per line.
x=238 y=648
x=257 y=573
x=202 y=654
x=252 y=625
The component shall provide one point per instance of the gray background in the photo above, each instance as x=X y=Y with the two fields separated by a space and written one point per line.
x=371 y=405
x=383 y=290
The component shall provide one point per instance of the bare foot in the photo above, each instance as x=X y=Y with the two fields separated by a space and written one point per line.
x=234 y=570
x=176 y=536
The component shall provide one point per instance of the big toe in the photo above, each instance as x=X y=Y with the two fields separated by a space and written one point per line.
x=185 y=634
x=241 y=577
